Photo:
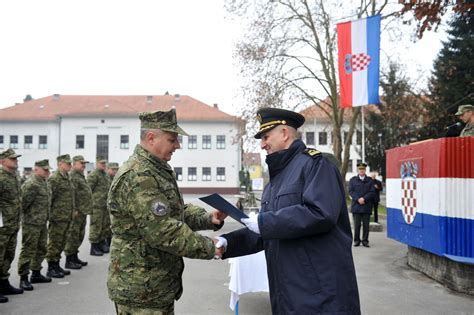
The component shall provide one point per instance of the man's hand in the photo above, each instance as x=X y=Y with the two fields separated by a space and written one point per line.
x=218 y=217
x=252 y=223
x=361 y=201
x=220 y=243
x=75 y=214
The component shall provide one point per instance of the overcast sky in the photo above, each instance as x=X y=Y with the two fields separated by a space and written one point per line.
x=141 y=47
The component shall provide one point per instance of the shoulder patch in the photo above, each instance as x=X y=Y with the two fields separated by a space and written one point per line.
x=159 y=208
x=312 y=152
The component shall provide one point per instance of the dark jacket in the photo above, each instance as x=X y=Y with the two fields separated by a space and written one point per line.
x=365 y=189
x=377 y=190
x=306 y=235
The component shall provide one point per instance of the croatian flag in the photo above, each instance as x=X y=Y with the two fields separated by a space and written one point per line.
x=359 y=53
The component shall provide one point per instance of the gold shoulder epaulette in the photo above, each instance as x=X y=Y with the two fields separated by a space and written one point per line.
x=312 y=152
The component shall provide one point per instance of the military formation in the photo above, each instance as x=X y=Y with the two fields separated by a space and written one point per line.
x=52 y=211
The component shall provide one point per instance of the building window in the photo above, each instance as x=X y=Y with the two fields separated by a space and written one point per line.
x=192 y=142
x=79 y=141
x=220 y=174
x=206 y=142
x=14 y=142
x=359 y=137
x=180 y=140
x=206 y=174
x=323 y=138
x=43 y=142
x=178 y=171
x=28 y=142
x=192 y=174
x=102 y=147
x=124 y=142
x=310 y=138
x=1 y=142
x=220 y=142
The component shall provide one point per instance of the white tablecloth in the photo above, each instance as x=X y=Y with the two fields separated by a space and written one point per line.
x=247 y=274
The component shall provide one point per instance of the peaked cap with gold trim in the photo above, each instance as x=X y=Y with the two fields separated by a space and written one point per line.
x=269 y=118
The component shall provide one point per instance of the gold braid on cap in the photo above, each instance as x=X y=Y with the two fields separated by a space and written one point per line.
x=274 y=122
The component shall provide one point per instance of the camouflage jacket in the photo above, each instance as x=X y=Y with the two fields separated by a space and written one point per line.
x=468 y=131
x=35 y=201
x=99 y=183
x=62 y=197
x=82 y=192
x=10 y=201
x=152 y=230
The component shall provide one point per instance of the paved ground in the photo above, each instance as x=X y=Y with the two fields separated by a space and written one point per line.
x=386 y=284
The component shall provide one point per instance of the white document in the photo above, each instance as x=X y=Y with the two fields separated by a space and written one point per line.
x=1 y=220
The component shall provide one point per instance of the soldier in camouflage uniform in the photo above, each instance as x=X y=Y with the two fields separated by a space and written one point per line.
x=83 y=203
x=36 y=203
x=10 y=207
x=62 y=206
x=112 y=168
x=152 y=227
x=466 y=114
x=99 y=183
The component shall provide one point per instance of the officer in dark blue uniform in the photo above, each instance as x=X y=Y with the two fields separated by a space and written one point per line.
x=303 y=225
x=362 y=192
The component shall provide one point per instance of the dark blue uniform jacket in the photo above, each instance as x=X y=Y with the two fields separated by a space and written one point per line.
x=306 y=235
x=362 y=188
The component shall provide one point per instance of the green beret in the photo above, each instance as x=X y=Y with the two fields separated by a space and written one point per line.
x=9 y=154
x=79 y=158
x=64 y=158
x=269 y=118
x=43 y=164
x=165 y=121
x=112 y=165
x=464 y=108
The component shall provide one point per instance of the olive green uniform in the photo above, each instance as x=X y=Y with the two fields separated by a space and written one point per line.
x=99 y=183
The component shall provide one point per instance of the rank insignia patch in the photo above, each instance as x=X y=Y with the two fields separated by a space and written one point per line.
x=159 y=209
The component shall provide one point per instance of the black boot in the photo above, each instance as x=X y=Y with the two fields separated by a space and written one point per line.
x=6 y=288
x=37 y=277
x=65 y=272
x=71 y=263
x=81 y=262
x=3 y=299
x=95 y=250
x=25 y=283
x=53 y=272
x=103 y=246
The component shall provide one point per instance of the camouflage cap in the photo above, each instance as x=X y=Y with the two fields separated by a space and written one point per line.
x=64 y=158
x=464 y=108
x=9 y=154
x=165 y=121
x=44 y=164
x=101 y=160
x=79 y=158
x=112 y=165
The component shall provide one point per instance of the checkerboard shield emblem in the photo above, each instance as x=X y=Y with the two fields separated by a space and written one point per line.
x=409 y=172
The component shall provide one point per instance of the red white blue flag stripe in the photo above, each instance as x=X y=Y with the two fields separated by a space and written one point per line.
x=359 y=56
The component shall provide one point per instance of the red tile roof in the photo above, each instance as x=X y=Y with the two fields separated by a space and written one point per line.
x=55 y=106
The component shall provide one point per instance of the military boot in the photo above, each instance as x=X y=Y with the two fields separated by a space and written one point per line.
x=65 y=272
x=103 y=246
x=95 y=250
x=25 y=284
x=3 y=299
x=71 y=263
x=81 y=262
x=6 y=288
x=53 y=272
x=37 y=277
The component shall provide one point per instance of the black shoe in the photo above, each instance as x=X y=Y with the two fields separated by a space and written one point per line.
x=71 y=263
x=356 y=244
x=37 y=277
x=365 y=244
x=3 y=299
x=53 y=272
x=6 y=288
x=65 y=272
x=78 y=261
x=104 y=247
x=25 y=284
x=95 y=250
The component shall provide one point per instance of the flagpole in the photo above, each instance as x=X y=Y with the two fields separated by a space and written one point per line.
x=363 y=135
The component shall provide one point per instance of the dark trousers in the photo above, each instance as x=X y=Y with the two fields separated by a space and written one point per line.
x=363 y=218
x=376 y=212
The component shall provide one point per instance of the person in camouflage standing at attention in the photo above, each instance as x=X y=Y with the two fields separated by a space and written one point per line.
x=112 y=168
x=10 y=207
x=62 y=206
x=99 y=183
x=152 y=228
x=83 y=203
x=36 y=203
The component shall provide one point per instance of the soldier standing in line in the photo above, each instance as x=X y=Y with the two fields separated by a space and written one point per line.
x=83 y=203
x=62 y=206
x=112 y=169
x=99 y=184
x=36 y=203
x=152 y=227
x=10 y=207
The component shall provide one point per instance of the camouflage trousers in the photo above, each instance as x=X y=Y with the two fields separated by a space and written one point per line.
x=127 y=310
x=98 y=224
x=57 y=235
x=76 y=233
x=7 y=251
x=33 y=248
x=107 y=225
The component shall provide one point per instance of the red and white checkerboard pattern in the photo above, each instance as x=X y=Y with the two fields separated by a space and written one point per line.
x=360 y=61
x=409 y=199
